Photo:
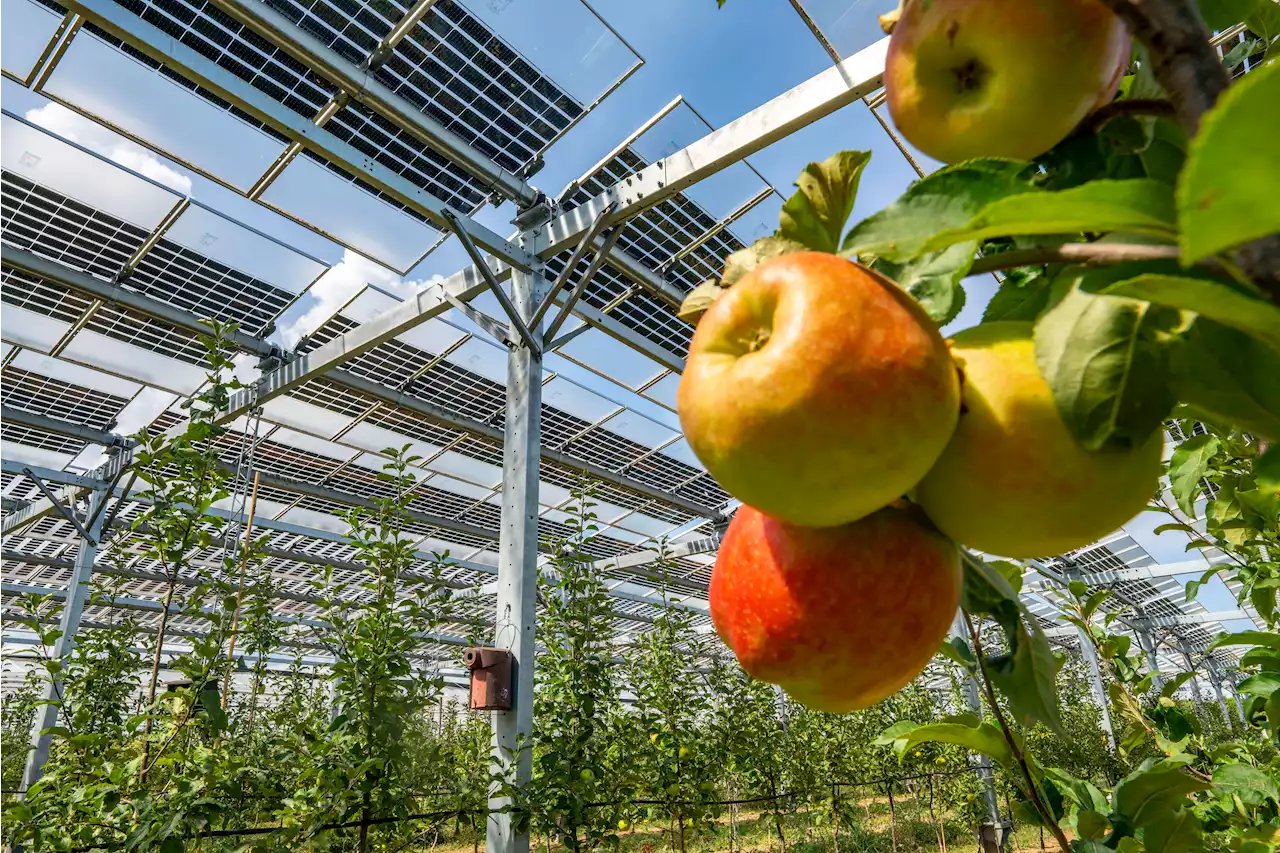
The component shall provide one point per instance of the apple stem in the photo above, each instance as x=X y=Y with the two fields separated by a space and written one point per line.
x=1157 y=107
x=1032 y=792
x=1188 y=67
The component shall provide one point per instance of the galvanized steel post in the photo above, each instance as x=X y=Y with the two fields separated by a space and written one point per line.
x=517 y=566
x=1095 y=680
x=69 y=623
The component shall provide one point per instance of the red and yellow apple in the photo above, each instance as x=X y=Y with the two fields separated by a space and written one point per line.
x=1000 y=78
x=817 y=391
x=840 y=617
x=1014 y=481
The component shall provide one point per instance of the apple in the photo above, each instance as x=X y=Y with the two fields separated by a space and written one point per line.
x=840 y=617
x=1000 y=78
x=587 y=775
x=817 y=391
x=624 y=824
x=1014 y=481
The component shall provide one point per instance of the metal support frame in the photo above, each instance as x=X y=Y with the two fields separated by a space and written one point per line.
x=1148 y=644
x=189 y=62
x=1095 y=681
x=571 y=301
x=1216 y=681
x=324 y=360
x=65 y=511
x=973 y=701
x=518 y=570
x=1194 y=681
x=77 y=596
x=518 y=323
x=817 y=97
x=574 y=259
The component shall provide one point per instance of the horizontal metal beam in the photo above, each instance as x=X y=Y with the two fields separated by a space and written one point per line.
x=636 y=559
x=160 y=46
x=817 y=97
x=1109 y=576
x=464 y=284
x=63 y=428
x=437 y=415
x=361 y=84
x=51 y=475
x=115 y=294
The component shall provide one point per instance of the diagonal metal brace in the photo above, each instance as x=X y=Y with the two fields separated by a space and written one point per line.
x=567 y=308
x=505 y=301
x=587 y=241
x=58 y=505
x=484 y=321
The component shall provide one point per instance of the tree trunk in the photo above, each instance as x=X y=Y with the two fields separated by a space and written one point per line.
x=835 y=821
x=155 y=677
x=893 y=821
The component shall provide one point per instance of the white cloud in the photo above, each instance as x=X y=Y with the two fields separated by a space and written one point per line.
x=336 y=287
x=77 y=128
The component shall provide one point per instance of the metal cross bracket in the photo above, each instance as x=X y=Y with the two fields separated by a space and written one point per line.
x=68 y=514
x=588 y=239
x=504 y=300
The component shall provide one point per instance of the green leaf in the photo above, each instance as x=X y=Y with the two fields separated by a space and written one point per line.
x=1028 y=677
x=745 y=260
x=1095 y=601
x=1264 y=683
x=1224 y=14
x=1177 y=832
x=1146 y=797
x=947 y=198
x=1143 y=206
x=1105 y=360
x=816 y=214
x=964 y=730
x=1252 y=314
x=1261 y=657
x=934 y=281
x=1228 y=190
x=1092 y=824
x=699 y=301
x=1018 y=298
x=1250 y=784
x=1187 y=467
x=1265 y=21
x=1247 y=638
x=1171 y=686
x=1227 y=377
x=1266 y=469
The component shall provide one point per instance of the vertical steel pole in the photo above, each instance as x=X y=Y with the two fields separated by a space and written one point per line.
x=1148 y=644
x=72 y=609
x=517 y=563
x=1217 y=690
x=1195 y=682
x=988 y=835
x=1235 y=693
x=1095 y=679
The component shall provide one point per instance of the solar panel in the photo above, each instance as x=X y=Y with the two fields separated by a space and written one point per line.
x=64 y=401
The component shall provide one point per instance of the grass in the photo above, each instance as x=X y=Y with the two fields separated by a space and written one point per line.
x=865 y=827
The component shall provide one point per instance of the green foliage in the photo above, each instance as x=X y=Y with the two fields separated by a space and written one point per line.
x=1227 y=193
x=815 y=215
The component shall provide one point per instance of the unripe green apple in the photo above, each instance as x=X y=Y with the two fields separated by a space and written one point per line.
x=1014 y=481
x=587 y=774
x=817 y=391
x=624 y=824
x=1000 y=78
x=684 y=752
x=840 y=617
